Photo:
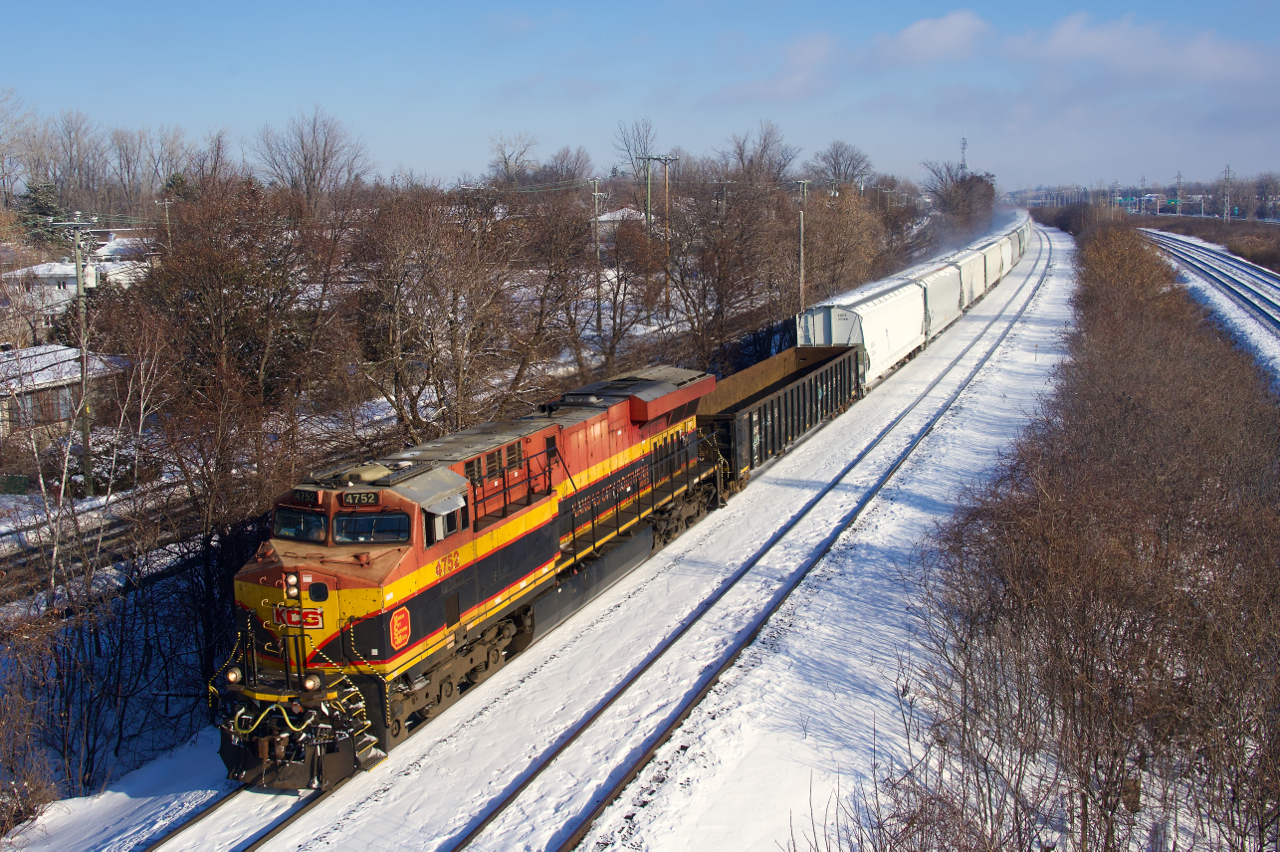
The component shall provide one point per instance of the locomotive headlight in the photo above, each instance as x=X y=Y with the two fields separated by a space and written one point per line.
x=233 y=675
x=291 y=591
x=311 y=683
x=291 y=579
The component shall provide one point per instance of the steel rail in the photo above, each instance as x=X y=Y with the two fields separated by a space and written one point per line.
x=1258 y=304
x=1249 y=268
x=694 y=617
x=263 y=835
x=293 y=816
x=197 y=817
x=713 y=676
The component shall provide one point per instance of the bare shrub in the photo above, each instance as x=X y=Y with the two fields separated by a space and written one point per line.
x=1098 y=617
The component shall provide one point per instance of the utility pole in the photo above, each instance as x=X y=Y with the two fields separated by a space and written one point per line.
x=804 y=201
x=595 y=232
x=168 y=231
x=1177 y=206
x=75 y=228
x=1226 y=207
x=1142 y=197
x=648 y=196
x=666 y=160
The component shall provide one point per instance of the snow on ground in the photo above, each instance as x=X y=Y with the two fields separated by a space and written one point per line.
x=1248 y=331
x=165 y=790
x=793 y=725
x=804 y=711
x=801 y=714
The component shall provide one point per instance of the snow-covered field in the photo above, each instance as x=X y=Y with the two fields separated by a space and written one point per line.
x=797 y=714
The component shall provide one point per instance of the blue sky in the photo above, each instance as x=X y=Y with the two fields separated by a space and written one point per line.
x=1044 y=93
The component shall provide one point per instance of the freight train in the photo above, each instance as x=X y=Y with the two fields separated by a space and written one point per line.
x=390 y=587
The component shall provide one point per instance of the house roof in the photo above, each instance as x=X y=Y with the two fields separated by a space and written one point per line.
x=47 y=366
x=53 y=269
x=123 y=248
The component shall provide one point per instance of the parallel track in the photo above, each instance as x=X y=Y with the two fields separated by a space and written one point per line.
x=1253 y=288
x=577 y=829
x=24 y=567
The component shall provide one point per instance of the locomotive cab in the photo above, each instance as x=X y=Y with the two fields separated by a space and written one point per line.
x=297 y=717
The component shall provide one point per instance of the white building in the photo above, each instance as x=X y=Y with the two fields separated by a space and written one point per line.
x=40 y=294
x=122 y=260
x=40 y=385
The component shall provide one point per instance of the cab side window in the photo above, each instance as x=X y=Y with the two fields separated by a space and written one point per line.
x=440 y=527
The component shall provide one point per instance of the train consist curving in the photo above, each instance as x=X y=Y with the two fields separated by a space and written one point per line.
x=390 y=587
x=899 y=320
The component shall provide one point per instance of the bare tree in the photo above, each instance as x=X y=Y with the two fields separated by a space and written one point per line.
x=127 y=152
x=213 y=161
x=81 y=161
x=433 y=326
x=13 y=120
x=635 y=143
x=565 y=167
x=315 y=155
x=965 y=199
x=839 y=164
x=765 y=158
x=168 y=154
x=513 y=159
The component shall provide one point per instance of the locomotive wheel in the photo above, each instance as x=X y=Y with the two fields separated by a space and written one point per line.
x=495 y=657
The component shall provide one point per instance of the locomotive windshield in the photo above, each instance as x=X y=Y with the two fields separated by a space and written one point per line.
x=299 y=525
x=384 y=526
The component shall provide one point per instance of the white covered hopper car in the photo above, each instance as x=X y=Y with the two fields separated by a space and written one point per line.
x=893 y=324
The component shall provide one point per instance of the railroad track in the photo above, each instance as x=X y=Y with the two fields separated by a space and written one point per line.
x=618 y=777
x=473 y=833
x=259 y=836
x=1253 y=288
x=102 y=538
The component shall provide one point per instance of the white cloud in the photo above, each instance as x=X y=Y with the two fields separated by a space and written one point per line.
x=1123 y=47
x=956 y=35
x=803 y=72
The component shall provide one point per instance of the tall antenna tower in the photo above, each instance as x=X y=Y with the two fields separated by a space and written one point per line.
x=1177 y=206
x=1226 y=206
x=964 y=166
